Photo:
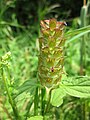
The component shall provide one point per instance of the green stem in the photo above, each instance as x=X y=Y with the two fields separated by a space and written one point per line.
x=42 y=101
x=48 y=103
x=28 y=109
x=86 y=111
x=83 y=41
x=10 y=97
x=36 y=102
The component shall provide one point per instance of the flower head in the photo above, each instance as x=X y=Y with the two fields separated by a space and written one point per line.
x=51 y=56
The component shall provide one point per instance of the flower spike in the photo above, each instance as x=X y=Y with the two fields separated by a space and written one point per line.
x=51 y=58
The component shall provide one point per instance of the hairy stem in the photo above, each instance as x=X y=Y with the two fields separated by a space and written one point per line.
x=10 y=97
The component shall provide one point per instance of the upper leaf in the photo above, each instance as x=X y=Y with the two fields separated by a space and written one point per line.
x=78 y=87
x=57 y=96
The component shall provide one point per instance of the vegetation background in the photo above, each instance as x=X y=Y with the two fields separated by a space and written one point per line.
x=19 y=33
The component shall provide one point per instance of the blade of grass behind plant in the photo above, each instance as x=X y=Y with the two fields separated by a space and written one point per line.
x=73 y=35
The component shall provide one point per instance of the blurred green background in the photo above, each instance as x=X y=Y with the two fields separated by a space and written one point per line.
x=19 y=33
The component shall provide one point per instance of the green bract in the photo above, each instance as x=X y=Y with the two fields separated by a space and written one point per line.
x=51 y=56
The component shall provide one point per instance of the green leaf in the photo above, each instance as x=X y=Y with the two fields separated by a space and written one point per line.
x=57 y=96
x=76 y=81
x=27 y=86
x=78 y=87
x=36 y=118
x=75 y=34
x=11 y=24
x=78 y=91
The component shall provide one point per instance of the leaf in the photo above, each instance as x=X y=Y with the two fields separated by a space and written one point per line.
x=78 y=91
x=36 y=118
x=27 y=86
x=50 y=8
x=78 y=80
x=57 y=96
x=11 y=24
x=78 y=87
x=75 y=34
